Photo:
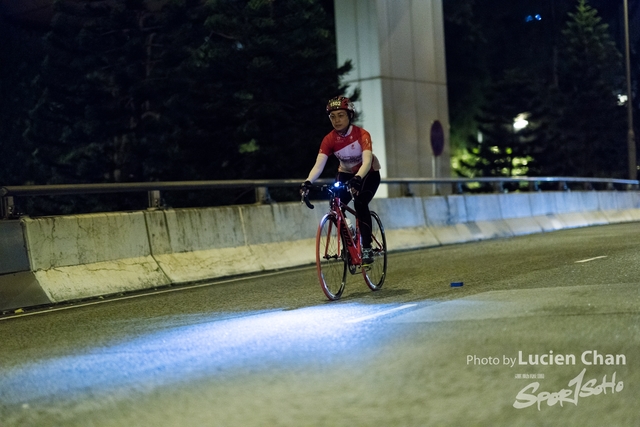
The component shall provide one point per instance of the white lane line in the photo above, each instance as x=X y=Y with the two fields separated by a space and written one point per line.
x=380 y=313
x=591 y=259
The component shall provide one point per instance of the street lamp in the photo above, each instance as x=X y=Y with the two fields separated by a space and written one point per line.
x=631 y=137
x=520 y=122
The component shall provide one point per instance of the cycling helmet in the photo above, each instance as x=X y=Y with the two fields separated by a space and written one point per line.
x=341 y=103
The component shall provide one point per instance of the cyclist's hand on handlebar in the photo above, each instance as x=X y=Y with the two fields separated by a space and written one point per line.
x=355 y=184
x=305 y=187
x=304 y=192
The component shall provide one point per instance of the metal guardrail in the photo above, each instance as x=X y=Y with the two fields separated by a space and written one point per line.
x=154 y=189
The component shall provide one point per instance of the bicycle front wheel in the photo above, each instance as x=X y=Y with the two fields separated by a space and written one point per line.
x=375 y=274
x=331 y=259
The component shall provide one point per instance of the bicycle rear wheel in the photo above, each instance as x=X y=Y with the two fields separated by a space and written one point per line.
x=331 y=259
x=375 y=274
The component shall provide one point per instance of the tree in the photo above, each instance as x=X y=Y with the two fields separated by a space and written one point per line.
x=467 y=68
x=110 y=72
x=590 y=119
x=576 y=127
x=503 y=148
x=183 y=90
x=272 y=64
x=20 y=54
x=486 y=39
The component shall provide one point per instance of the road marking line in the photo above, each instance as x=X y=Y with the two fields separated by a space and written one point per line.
x=381 y=313
x=591 y=259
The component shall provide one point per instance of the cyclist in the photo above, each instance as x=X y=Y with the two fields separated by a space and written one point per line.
x=359 y=167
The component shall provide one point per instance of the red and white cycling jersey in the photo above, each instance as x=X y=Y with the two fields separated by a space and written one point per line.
x=348 y=149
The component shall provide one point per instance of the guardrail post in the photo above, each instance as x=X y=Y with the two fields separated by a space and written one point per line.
x=610 y=186
x=457 y=188
x=498 y=187
x=562 y=186
x=406 y=190
x=155 y=199
x=534 y=186
x=588 y=186
x=7 y=207
x=263 y=196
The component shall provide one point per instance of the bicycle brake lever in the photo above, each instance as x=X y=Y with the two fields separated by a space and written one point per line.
x=305 y=199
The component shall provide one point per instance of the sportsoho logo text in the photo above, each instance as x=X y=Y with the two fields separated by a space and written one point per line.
x=577 y=387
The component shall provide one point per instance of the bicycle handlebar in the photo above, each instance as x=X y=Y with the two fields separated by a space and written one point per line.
x=332 y=189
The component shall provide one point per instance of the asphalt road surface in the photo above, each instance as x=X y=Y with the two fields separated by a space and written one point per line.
x=545 y=331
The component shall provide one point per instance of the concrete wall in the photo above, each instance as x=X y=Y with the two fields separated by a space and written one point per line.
x=18 y=284
x=82 y=256
x=55 y=259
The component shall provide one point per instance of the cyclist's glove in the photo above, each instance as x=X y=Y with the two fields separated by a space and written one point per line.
x=355 y=183
x=305 y=187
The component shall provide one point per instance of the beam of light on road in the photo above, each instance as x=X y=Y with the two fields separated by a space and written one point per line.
x=191 y=347
x=380 y=313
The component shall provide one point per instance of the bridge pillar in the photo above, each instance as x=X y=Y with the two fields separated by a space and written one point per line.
x=397 y=49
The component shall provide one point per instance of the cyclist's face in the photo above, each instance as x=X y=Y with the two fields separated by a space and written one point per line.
x=339 y=120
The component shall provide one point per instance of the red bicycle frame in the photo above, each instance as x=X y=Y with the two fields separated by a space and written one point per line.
x=351 y=240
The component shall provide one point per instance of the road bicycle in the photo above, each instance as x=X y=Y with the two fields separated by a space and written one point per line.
x=339 y=249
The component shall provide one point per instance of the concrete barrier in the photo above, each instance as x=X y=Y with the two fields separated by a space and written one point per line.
x=82 y=256
x=18 y=284
x=404 y=222
x=446 y=217
x=197 y=244
x=569 y=209
x=517 y=214
x=188 y=244
x=543 y=211
x=54 y=259
x=485 y=218
x=620 y=207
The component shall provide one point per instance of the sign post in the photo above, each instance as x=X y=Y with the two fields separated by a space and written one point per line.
x=437 y=145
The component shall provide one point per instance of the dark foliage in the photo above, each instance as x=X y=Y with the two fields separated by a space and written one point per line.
x=569 y=97
x=589 y=119
x=229 y=89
